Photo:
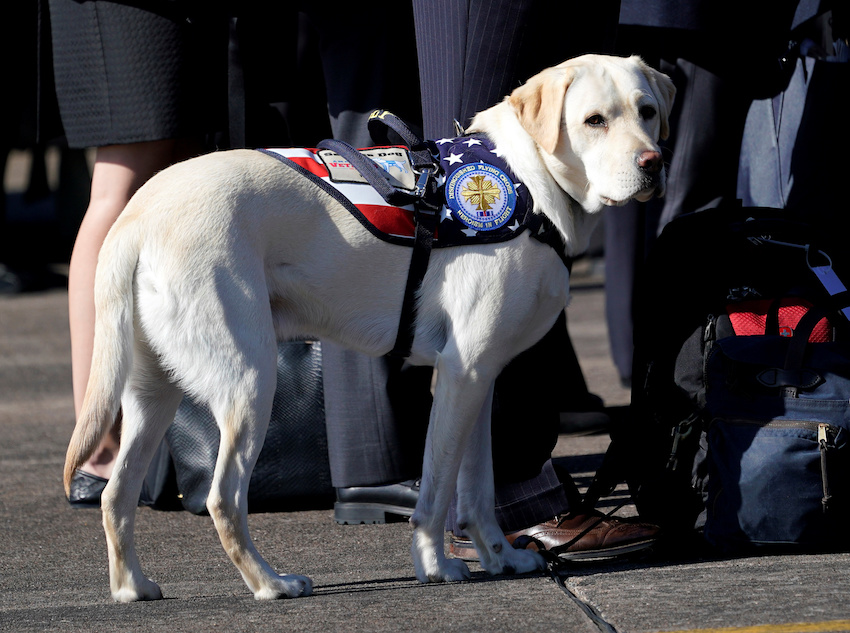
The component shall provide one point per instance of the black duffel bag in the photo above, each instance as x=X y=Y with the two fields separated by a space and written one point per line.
x=292 y=471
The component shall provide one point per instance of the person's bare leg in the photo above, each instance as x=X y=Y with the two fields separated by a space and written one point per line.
x=119 y=170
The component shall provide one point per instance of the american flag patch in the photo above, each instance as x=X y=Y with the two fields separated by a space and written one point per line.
x=393 y=221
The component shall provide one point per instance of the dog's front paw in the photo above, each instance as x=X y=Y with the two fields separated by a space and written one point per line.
x=504 y=559
x=286 y=586
x=431 y=563
x=444 y=570
x=143 y=590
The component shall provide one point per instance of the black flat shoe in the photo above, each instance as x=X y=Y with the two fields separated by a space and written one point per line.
x=376 y=504
x=86 y=490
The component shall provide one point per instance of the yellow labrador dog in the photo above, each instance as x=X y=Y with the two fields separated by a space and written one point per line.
x=217 y=257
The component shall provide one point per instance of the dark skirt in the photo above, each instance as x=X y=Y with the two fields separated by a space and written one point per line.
x=126 y=74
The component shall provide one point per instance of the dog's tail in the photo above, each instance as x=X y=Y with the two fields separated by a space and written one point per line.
x=113 y=346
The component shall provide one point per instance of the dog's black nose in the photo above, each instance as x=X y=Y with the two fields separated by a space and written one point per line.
x=650 y=161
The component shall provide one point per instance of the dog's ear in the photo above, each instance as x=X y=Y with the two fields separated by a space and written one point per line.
x=539 y=104
x=663 y=90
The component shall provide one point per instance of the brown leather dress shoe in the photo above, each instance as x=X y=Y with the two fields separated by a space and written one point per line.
x=582 y=536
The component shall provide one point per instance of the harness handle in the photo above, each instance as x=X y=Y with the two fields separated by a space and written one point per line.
x=382 y=121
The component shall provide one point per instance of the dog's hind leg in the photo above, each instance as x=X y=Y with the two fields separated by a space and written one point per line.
x=243 y=421
x=476 y=501
x=149 y=403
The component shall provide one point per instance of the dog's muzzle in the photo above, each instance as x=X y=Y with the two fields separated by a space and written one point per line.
x=651 y=164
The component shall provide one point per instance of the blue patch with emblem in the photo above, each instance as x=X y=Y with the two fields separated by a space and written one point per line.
x=482 y=196
x=483 y=201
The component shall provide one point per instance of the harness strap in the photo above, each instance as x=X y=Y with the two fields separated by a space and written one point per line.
x=426 y=224
x=544 y=231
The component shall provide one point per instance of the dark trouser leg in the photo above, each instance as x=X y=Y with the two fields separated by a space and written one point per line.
x=376 y=414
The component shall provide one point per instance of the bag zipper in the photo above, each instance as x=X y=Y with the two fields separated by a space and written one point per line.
x=823 y=444
x=814 y=427
x=709 y=337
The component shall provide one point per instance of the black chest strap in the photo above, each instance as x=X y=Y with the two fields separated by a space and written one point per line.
x=544 y=231
x=426 y=224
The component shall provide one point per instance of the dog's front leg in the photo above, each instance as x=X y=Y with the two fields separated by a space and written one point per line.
x=476 y=504
x=458 y=399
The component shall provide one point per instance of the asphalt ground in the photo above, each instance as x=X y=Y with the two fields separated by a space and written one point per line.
x=53 y=569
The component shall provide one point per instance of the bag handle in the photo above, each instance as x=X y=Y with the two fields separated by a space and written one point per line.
x=794 y=375
x=771 y=326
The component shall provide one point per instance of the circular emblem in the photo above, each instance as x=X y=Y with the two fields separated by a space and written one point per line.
x=481 y=196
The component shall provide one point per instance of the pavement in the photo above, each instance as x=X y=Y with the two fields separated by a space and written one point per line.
x=53 y=568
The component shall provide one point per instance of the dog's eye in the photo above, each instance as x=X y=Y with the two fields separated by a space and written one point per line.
x=596 y=121
x=647 y=112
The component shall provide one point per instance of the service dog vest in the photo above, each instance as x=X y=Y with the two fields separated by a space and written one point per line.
x=478 y=197
x=482 y=201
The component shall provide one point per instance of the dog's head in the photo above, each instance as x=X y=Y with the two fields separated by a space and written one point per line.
x=597 y=121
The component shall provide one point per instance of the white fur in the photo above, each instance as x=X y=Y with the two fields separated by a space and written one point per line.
x=216 y=258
